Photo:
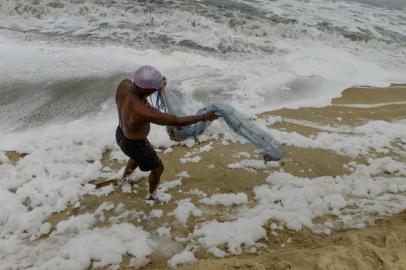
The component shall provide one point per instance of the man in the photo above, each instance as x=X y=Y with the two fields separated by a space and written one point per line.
x=135 y=115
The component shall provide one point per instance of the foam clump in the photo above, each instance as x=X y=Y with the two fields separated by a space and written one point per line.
x=252 y=164
x=3 y=158
x=75 y=224
x=105 y=206
x=162 y=194
x=156 y=213
x=184 y=257
x=195 y=159
x=242 y=231
x=164 y=232
x=216 y=252
x=197 y=192
x=184 y=209
x=226 y=199
x=206 y=148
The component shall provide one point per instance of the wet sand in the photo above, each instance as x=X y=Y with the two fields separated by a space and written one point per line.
x=382 y=246
x=378 y=247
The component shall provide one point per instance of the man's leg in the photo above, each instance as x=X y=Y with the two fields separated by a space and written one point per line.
x=131 y=166
x=154 y=178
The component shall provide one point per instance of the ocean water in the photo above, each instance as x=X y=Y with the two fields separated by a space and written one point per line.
x=61 y=60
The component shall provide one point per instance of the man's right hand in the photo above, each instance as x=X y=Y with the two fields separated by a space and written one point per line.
x=210 y=116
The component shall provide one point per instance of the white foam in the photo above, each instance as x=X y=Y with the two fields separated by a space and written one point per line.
x=197 y=192
x=99 y=247
x=376 y=135
x=184 y=209
x=368 y=106
x=185 y=257
x=252 y=164
x=217 y=252
x=195 y=159
x=99 y=212
x=3 y=158
x=75 y=224
x=242 y=231
x=206 y=148
x=127 y=216
x=156 y=213
x=164 y=232
x=226 y=199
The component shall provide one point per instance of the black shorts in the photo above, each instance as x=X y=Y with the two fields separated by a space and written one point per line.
x=141 y=151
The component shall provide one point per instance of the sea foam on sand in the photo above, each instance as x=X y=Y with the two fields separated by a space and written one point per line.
x=61 y=161
x=58 y=167
x=226 y=199
x=182 y=258
x=98 y=247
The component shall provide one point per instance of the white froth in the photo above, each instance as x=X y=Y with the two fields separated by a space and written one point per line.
x=226 y=199
x=164 y=232
x=375 y=135
x=75 y=224
x=184 y=210
x=185 y=257
x=99 y=247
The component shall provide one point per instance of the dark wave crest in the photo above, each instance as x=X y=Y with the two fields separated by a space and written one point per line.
x=55 y=100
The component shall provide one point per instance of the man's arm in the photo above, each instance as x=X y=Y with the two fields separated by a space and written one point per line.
x=153 y=115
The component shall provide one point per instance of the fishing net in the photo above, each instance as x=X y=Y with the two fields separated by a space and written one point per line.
x=270 y=148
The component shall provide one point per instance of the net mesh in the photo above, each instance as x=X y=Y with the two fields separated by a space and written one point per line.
x=270 y=148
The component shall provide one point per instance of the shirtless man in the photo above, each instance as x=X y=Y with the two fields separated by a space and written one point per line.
x=135 y=115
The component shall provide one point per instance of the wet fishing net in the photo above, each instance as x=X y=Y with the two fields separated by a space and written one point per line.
x=170 y=101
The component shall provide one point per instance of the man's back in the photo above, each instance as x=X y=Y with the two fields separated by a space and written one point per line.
x=130 y=107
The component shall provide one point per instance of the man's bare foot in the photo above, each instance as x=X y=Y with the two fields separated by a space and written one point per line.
x=152 y=197
x=121 y=181
x=158 y=197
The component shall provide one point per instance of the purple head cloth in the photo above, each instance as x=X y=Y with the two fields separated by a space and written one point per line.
x=148 y=77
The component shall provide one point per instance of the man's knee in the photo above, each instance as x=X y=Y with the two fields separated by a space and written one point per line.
x=161 y=168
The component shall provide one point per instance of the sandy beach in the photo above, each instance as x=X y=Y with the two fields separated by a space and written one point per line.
x=378 y=246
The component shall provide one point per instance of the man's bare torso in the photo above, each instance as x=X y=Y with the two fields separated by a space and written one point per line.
x=129 y=106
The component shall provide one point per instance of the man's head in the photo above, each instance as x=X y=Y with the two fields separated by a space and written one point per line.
x=148 y=80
